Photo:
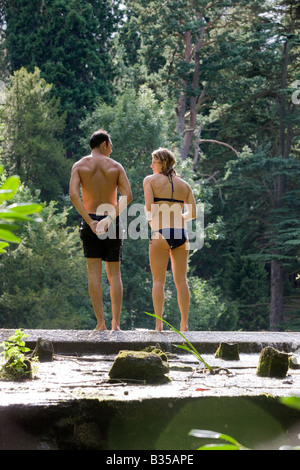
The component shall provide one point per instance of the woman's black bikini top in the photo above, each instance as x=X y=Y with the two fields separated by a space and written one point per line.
x=156 y=199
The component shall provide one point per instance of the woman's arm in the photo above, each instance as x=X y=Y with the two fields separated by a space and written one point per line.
x=190 y=204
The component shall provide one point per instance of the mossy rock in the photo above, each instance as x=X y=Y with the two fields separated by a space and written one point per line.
x=228 y=352
x=139 y=366
x=43 y=350
x=273 y=363
x=157 y=350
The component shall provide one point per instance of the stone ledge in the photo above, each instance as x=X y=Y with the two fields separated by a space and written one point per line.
x=111 y=342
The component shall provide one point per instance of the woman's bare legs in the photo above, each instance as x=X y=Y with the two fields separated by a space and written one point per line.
x=159 y=253
x=179 y=258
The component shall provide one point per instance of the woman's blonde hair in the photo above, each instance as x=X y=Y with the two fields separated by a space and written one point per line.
x=167 y=160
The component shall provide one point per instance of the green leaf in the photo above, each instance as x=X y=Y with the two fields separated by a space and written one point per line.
x=292 y=402
x=13 y=215
x=2 y=246
x=206 y=434
x=26 y=209
x=219 y=447
x=9 y=226
x=9 y=187
x=183 y=346
x=9 y=236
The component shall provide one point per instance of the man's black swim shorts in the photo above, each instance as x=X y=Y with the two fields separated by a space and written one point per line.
x=108 y=246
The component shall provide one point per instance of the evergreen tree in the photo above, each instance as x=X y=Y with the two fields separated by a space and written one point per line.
x=254 y=106
x=44 y=284
x=69 y=40
x=267 y=234
x=32 y=145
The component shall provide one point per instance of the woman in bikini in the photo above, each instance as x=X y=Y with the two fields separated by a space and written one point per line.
x=165 y=196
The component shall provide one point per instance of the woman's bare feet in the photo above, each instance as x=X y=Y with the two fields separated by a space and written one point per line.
x=100 y=327
x=184 y=326
x=115 y=327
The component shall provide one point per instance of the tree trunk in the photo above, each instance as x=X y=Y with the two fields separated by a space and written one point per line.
x=182 y=101
x=189 y=133
x=276 y=306
x=181 y=108
x=277 y=275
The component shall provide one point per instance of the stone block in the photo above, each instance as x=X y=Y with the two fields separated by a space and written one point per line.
x=43 y=350
x=139 y=366
x=228 y=352
x=272 y=363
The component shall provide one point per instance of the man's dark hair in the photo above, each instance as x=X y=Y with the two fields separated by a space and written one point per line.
x=98 y=137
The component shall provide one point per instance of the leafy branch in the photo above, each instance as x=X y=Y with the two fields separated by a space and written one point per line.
x=13 y=212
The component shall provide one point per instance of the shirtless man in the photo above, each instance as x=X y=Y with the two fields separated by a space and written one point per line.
x=99 y=177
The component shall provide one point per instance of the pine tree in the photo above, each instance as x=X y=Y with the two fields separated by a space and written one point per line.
x=69 y=41
x=254 y=107
x=32 y=135
x=40 y=275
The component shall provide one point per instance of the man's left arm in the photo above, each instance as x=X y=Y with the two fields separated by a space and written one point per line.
x=74 y=192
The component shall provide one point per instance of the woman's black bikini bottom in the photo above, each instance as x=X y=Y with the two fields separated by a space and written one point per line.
x=174 y=236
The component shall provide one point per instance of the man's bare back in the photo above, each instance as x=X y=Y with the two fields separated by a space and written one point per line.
x=99 y=177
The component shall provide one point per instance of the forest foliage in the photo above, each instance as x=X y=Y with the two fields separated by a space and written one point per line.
x=216 y=82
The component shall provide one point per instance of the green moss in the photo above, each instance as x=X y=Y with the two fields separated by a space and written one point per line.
x=139 y=366
x=157 y=350
x=272 y=363
x=228 y=352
